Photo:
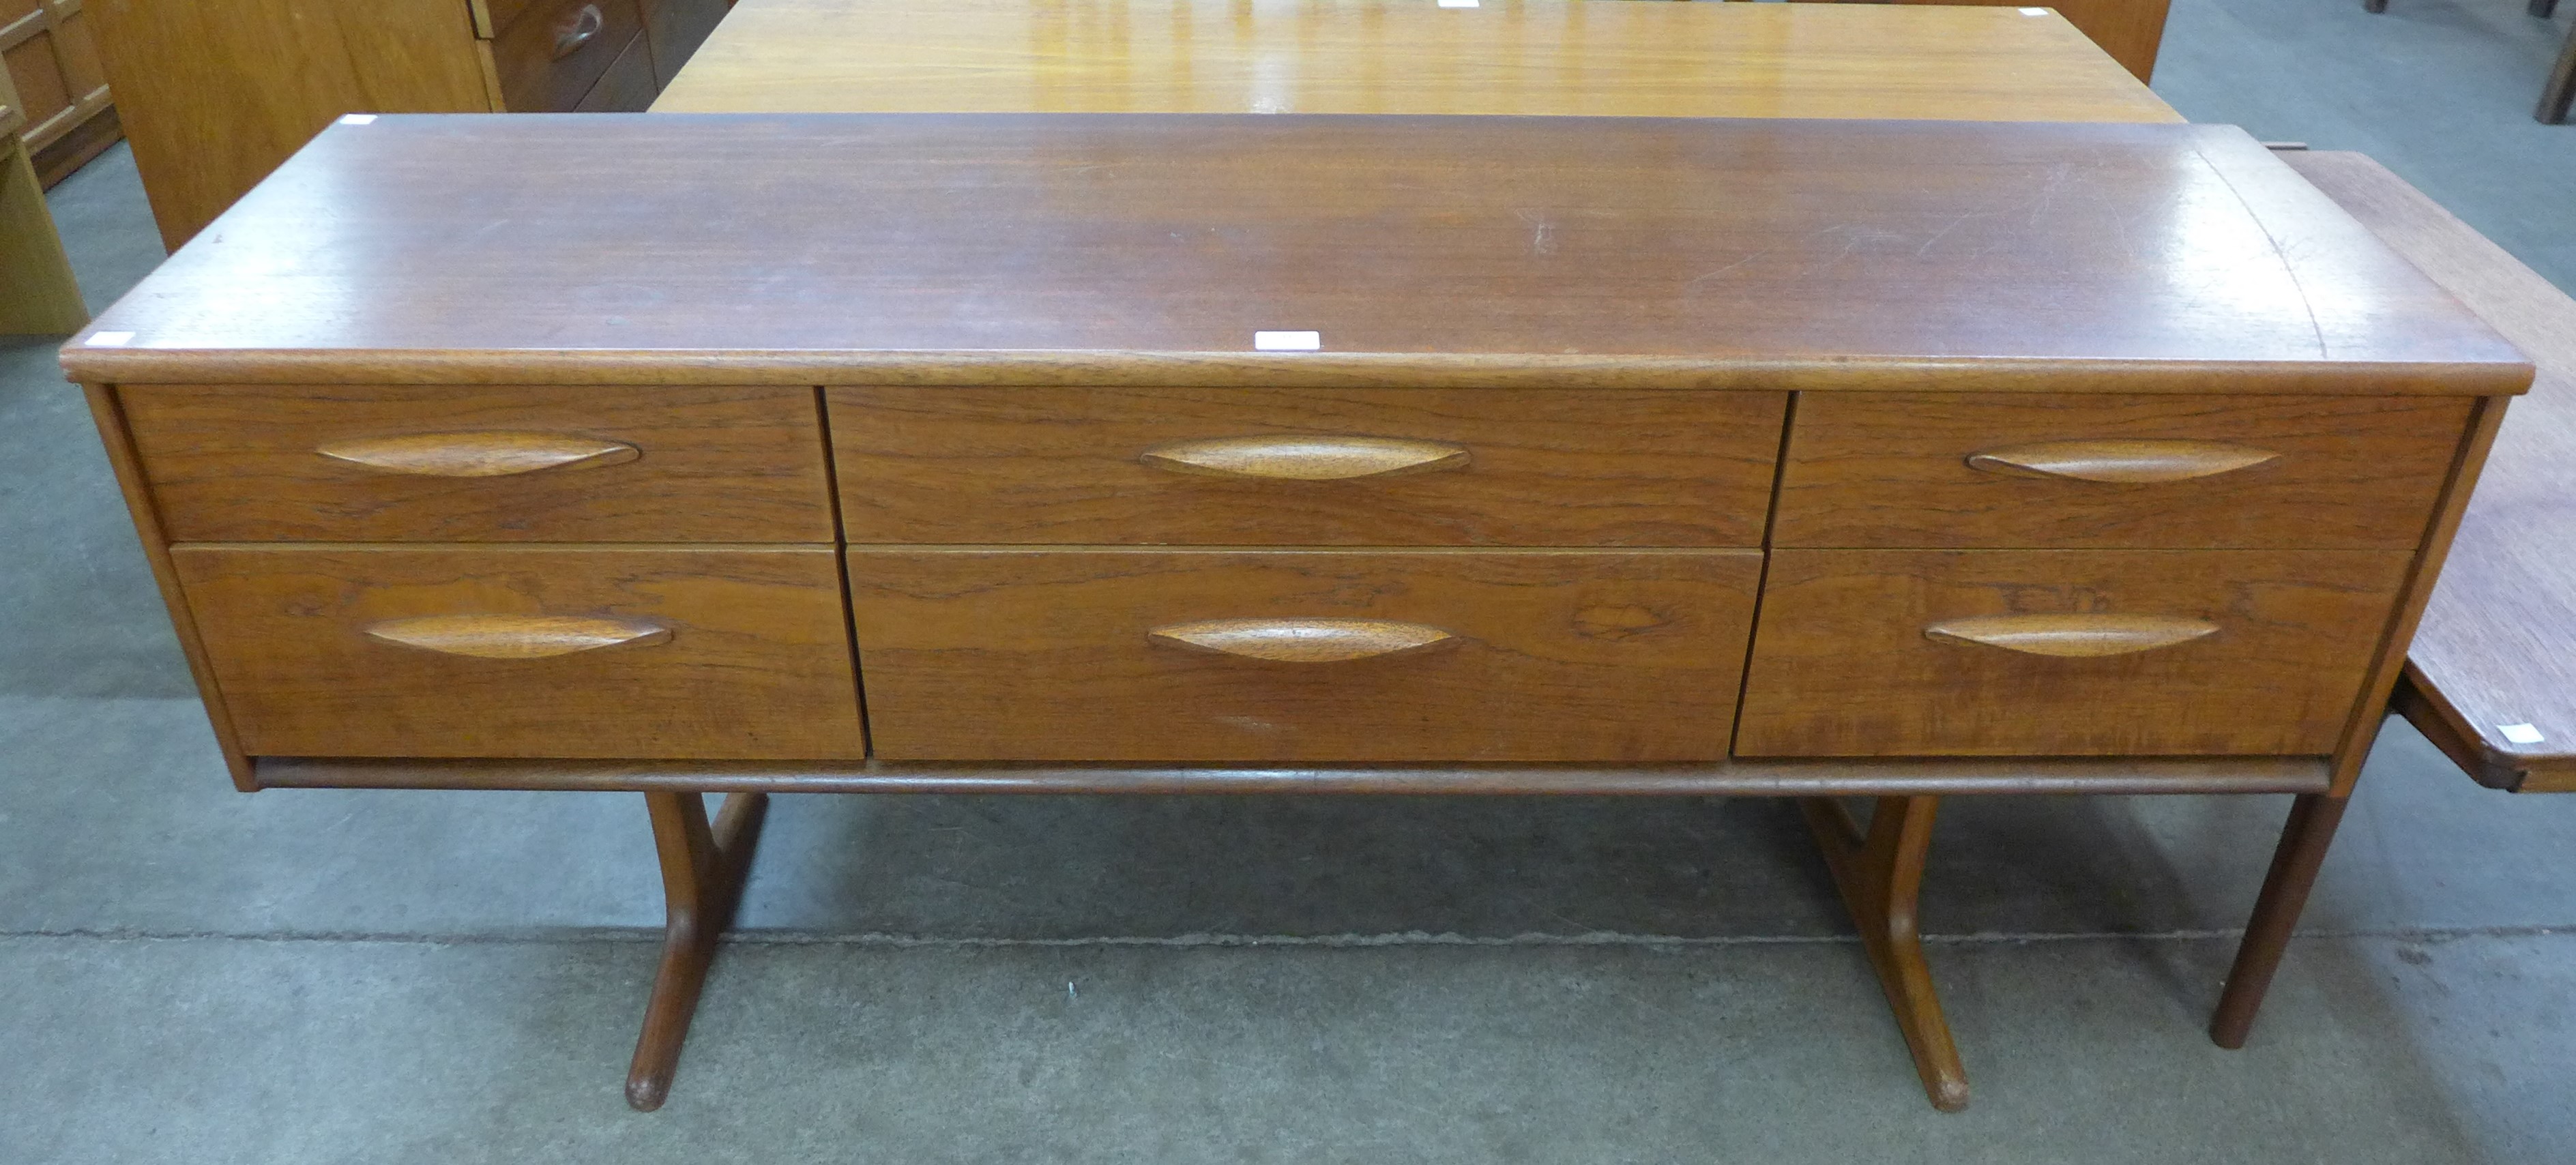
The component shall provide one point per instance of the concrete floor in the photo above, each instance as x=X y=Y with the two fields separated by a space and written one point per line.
x=187 y=973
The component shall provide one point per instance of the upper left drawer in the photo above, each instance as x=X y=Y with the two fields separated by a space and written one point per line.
x=251 y=463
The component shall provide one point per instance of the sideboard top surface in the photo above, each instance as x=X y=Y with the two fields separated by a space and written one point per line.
x=1105 y=248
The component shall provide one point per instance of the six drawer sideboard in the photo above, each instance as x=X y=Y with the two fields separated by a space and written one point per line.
x=1172 y=453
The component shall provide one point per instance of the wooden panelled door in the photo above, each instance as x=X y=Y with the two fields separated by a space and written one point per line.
x=54 y=66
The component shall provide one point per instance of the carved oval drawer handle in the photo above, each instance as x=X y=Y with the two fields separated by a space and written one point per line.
x=1303 y=640
x=2072 y=636
x=517 y=636
x=1306 y=458
x=2120 y=461
x=480 y=454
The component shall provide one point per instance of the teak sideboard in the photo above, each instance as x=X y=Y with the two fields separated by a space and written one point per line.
x=1331 y=454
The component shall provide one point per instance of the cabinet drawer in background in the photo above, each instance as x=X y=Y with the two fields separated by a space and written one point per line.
x=1923 y=470
x=1458 y=467
x=550 y=53
x=2063 y=652
x=405 y=464
x=739 y=652
x=1161 y=655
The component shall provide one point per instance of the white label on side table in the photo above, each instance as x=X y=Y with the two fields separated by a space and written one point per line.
x=110 y=339
x=2520 y=733
x=1287 y=341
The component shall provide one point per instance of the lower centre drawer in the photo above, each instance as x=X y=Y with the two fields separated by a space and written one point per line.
x=1301 y=655
x=734 y=652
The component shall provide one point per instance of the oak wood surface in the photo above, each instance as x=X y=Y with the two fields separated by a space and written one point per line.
x=2497 y=643
x=552 y=52
x=216 y=93
x=1901 y=470
x=1842 y=664
x=755 y=663
x=1732 y=777
x=289 y=464
x=2130 y=31
x=1530 y=468
x=1422 y=249
x=1001 y=653
x=673 y=30
x=1366 y=56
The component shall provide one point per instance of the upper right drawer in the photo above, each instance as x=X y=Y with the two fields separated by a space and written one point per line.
x=1929 y=470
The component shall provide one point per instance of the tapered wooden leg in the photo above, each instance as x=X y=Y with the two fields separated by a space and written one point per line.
x=702 y=874
x=2302 y=851
x=2560 y=92
x=1880 y=874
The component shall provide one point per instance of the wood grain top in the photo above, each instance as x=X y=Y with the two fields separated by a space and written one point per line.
x=2497 y=646
x=1406 y=56
x=1152 y=249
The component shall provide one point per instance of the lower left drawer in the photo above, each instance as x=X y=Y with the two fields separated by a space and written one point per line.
x=678 y=653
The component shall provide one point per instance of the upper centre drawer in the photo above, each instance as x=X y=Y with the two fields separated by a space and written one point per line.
x=1253 y=467
x=2017 y=471
x=478 y=464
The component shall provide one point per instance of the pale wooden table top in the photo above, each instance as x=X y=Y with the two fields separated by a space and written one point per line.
x=1614 y=57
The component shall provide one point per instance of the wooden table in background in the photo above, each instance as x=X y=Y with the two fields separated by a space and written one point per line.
x=2491 y=676
x=1605 y=57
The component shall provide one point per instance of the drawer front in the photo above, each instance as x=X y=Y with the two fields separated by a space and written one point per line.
x=501 y=652
x=1425 y=467
x=2067 y=652
x=549 y=54
x=432 y=464
x=1254 y=656
x=1919 y=470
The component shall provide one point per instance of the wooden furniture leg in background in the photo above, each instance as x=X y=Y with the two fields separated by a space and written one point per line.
x=1880 y=874
x=702 y=875
x=2304 y=840
x=38 y=296
x=2561 y=90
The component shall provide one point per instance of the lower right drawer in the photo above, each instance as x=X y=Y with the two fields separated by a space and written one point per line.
x=2063 y=652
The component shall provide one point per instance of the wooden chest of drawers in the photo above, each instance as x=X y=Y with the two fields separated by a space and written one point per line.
x=2037 y=482
x=470 y=452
